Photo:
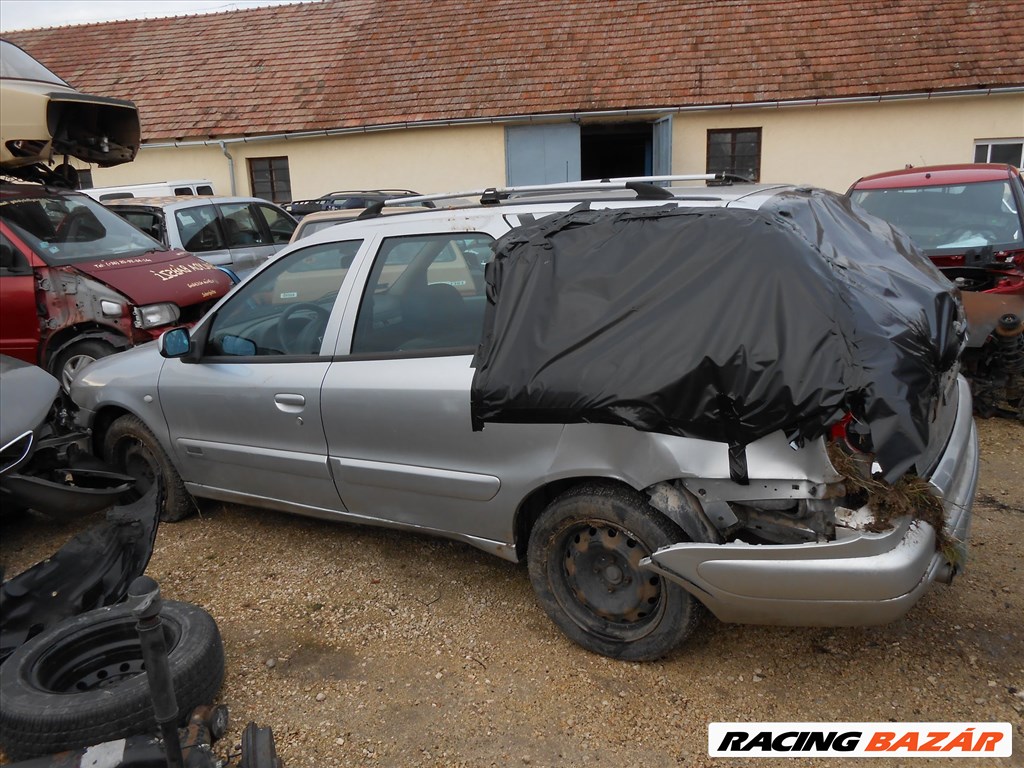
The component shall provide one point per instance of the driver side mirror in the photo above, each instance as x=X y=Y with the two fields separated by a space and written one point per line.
x=175 y=343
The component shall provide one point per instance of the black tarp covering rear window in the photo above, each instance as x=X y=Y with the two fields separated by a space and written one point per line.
x=720 y=324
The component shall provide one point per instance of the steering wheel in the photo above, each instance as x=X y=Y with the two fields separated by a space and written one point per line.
x=299 y=343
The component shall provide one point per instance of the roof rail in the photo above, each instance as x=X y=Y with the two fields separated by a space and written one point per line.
x=639 y=184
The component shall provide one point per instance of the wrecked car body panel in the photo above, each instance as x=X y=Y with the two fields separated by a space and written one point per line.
x=860 y=577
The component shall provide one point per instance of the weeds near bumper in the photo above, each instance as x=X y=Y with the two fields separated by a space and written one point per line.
x=910 y=496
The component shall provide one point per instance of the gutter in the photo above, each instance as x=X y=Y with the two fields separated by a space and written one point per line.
x=577 y=116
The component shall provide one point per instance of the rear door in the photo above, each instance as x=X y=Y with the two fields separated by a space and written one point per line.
x=396 y=401
x=248 y=241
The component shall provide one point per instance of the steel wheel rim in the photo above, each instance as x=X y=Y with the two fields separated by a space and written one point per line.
x=102 y=657
x=601 y=584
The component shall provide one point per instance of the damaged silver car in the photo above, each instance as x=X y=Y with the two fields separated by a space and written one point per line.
x=664 y=399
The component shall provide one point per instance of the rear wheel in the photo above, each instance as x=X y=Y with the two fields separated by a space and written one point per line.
x=134 y=450
x=584 y=561
x=69 y=363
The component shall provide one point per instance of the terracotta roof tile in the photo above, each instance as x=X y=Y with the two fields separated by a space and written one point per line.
x=362 y=63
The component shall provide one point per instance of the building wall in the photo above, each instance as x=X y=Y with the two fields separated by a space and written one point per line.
x=426 y=160
x=832 y=146
x=827 y=146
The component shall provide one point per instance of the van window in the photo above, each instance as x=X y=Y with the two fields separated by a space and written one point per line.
x=184 y=191
x=204 y=190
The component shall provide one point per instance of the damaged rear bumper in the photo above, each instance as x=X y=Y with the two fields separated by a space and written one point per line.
x=861 y=578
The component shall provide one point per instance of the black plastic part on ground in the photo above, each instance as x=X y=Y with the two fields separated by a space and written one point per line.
x=92 y=570
x=720 y=324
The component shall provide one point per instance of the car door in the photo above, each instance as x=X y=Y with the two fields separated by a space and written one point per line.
x=19 y=320
x=396 y=401
x=247 y=241
x=245 y=419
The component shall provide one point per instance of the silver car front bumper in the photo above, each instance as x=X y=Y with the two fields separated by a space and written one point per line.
x=861 y=578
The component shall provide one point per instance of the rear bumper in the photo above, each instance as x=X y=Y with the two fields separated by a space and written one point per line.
x=860 y=578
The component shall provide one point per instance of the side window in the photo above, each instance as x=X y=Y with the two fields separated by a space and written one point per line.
x=280 y=224
x=147 y=221
x=425 y=292
x=12 y=261
x=240 y=225
x=204 y=189
x=284 y=309
x=183 y=190
x=200 y=231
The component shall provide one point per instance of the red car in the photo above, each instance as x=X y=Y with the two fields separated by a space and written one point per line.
x=970 y=220
x=78 y=282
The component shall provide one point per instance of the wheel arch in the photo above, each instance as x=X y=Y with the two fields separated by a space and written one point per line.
x=61 y=340
x=681 y=507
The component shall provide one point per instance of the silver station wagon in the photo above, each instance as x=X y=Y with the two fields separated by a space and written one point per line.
x=663 y=399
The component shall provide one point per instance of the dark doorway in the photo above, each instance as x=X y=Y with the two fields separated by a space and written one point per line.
x=608 y=150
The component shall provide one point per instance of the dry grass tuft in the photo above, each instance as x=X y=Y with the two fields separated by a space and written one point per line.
x=910 y=496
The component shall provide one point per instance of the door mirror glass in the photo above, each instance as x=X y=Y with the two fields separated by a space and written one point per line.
x=175 y=343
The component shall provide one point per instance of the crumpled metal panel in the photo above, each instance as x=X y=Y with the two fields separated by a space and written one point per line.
x=719 y=324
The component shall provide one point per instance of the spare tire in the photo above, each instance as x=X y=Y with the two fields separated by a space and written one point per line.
x=82 y=681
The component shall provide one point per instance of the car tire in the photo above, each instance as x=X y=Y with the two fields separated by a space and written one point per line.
x=66 y=365
x=584 y=555
x=81 y=682
x=132 y=449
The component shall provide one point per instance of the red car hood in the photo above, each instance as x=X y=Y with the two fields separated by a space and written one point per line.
x=160 y=276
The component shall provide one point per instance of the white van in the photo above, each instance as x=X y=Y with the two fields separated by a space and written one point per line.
x=154 y=189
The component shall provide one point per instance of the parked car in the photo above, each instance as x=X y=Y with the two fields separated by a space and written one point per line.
x=42 y=117
x=636 y=401
x=348 y=200
x=150 y=189
x=78 y=283
x=238 y=233
x=970 y=220
x=318 y=221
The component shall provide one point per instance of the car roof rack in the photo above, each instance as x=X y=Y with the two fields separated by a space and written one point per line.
x=645 y=187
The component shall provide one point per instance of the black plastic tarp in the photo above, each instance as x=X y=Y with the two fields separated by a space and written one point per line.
x=723 y=324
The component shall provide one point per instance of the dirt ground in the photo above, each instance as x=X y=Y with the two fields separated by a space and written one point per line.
x=364 y=647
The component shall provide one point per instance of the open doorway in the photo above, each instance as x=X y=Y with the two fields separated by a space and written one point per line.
x=608 y=150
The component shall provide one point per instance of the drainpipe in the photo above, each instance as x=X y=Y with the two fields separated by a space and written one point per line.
x=231 y=166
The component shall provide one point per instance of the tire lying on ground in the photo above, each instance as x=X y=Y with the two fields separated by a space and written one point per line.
x=82 y=681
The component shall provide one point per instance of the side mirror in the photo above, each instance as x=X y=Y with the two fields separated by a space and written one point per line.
x=175 y=343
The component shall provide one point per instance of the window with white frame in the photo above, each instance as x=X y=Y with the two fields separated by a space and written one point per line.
x=999 y=151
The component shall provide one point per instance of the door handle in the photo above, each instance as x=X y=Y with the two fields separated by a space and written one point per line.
x=289 y=402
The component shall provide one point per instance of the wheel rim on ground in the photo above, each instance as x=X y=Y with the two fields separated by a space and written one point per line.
x=601 y=585
x=100 y=658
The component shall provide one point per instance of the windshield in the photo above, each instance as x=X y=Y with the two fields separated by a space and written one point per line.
x=18 y=65
x=951 y=217
x=70 y=228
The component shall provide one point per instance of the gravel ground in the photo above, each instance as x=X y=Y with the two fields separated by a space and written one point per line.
x=364 y=647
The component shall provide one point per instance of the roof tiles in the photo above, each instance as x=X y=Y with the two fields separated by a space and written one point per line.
x=364 y=63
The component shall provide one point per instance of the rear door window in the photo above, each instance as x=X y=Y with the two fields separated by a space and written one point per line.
x=200 y=231
x=425 y=292
x=241 y=228
x=280 y=225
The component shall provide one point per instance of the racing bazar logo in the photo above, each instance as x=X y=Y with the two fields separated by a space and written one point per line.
x=859 y=740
